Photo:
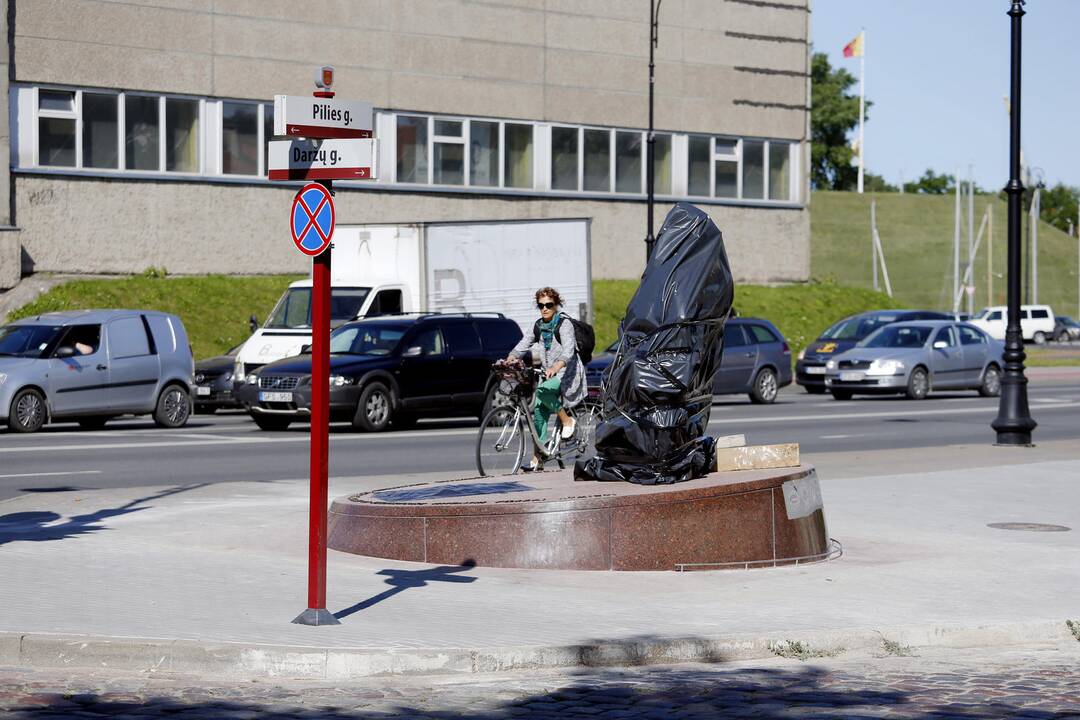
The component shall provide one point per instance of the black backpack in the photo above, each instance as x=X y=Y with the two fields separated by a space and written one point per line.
x=583 y=333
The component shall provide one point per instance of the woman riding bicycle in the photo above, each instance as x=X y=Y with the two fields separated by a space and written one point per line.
x=564 y=375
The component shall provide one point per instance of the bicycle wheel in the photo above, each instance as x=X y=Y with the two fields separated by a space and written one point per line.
x=590 y=415
x=500 y=445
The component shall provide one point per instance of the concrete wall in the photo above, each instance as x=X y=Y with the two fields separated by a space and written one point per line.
x=192 y=228
x=723 y=66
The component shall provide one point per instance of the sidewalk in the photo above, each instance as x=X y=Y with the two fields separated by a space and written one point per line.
x=207 y=580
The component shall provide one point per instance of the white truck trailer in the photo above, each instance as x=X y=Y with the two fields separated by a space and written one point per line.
x=447 y=267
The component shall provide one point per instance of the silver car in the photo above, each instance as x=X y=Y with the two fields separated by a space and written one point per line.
x=916 y=357
x=92 y=365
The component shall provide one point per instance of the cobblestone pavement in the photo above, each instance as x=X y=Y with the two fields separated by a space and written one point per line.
x=1031 y=684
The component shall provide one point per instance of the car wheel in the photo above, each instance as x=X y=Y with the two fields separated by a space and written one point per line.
x=918 y=384
x=373 y=410
x=815 y=389
x=491 y=400
x=173 y=407
x=842 y=394
x=28 y=412
x=765 y=387
x=1039 y=338
x=991 y=382
x=94 y=422
x=1062 y=337
x=272 y=422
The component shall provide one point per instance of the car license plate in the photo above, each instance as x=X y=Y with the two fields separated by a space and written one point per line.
x=200 y=390
x=851 y=376
x=815 y=370
x=275 y=396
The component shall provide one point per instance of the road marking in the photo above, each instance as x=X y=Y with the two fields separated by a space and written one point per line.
x=51 y=474
x=850 y=416
x=841 y=437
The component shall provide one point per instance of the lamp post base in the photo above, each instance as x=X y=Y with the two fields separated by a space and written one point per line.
x=316 y=616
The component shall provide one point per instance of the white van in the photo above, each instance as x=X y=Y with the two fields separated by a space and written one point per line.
x=1036 y=322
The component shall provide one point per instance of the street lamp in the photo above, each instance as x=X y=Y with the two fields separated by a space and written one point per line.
x=650 y=143
x=1014 y=422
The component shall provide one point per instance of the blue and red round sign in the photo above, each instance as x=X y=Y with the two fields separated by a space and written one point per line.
x=312 y=219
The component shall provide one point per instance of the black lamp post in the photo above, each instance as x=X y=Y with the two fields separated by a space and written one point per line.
x=1014 y=422
x=650 y=143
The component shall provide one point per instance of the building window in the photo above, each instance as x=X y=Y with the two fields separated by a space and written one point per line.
x=698 y=166
x=141 y=147
x=412 y=149
x=518 y=159
x=628 y=161
x=239 y=138
x=564 y=158
x=448 y=153
x=484 y=153
x=100 y=131
x=779 y=171
x=268 y=134
x=727 y=168
x=597 y=169
x=661 y=164
x=753 y=170
x=182 y=135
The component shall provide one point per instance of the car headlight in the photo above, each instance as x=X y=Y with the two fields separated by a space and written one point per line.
x=238 y=371
x=831 y=365
x=885 y=367
x=339 y=380
x=3 y=378
x=802 y=353
x=227 y=377
x=251 y=379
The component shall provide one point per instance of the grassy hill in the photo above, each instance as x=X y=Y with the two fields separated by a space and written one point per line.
x=917 y=237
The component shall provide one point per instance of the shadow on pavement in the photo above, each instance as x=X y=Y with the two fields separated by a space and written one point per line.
x=401 y=580
x=660 y=692
x=42 y=525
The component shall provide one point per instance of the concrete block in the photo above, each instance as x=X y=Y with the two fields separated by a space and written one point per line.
x=312 y=44
x=10 y=260
x=113 y=24
x=757 y=457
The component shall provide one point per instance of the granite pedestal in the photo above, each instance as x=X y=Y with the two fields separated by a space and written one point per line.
x=736 y=519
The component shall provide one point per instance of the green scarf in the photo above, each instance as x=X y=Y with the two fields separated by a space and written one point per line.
x=547 y=331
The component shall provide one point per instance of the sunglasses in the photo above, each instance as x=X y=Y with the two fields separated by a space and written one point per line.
x=545 y=306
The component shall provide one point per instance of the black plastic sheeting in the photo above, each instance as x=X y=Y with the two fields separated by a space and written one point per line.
x=658 y=391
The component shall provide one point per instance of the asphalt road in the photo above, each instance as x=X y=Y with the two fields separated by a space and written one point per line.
x=228 y=447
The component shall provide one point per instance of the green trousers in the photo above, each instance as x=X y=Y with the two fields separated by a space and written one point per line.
x=547 y=402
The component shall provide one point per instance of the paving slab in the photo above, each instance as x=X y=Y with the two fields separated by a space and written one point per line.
x=207 y=578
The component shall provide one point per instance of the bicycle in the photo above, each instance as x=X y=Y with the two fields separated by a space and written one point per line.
x=501 y=442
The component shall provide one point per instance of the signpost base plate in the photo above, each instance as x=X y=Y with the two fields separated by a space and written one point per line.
x=316 y=616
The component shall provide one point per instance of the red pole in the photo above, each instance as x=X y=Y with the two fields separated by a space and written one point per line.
x=317 y=614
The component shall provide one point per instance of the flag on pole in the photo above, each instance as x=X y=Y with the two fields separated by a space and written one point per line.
x=855 y=47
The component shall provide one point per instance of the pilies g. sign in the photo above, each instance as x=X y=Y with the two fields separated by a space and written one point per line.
x=321 y=117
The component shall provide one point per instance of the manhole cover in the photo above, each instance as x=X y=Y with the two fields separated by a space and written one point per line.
x=1031 y=527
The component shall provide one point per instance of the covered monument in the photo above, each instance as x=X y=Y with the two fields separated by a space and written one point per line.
x=658 y=391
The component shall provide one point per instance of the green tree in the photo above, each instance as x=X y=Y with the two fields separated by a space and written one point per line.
x=833 y=114
x=1058 y=205
x=932 y=184
x=876 y=183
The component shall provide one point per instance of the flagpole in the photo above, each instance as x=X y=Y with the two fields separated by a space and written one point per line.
x=862 y=109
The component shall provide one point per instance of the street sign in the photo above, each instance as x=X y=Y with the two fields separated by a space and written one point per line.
x=352 y=159
x=312 y=219
x=321 y=117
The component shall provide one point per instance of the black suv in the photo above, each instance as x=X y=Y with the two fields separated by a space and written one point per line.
x=390 y=369
x=844 y=335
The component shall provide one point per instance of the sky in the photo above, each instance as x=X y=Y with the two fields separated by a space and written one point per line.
x=936 y=73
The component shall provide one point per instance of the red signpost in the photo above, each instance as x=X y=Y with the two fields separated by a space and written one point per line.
x=312 y=226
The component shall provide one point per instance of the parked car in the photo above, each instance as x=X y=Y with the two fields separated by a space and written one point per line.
x=93 y=365
x=213 y=388
x=1066 y=329
x=389 y=370
x=842 y=336
x=1036 y=322
x=756 y=360
x=916 y=357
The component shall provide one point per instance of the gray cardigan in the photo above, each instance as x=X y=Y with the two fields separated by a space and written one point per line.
x=563 y=347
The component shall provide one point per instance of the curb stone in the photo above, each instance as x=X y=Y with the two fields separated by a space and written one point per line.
x=239 y=661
